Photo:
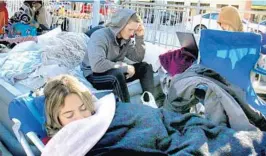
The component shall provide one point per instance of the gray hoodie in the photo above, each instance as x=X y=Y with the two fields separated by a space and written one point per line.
x=105 y=53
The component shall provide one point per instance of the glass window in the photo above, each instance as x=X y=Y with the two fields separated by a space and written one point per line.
x=263 y=23
x=206 y=16
x=214 y=16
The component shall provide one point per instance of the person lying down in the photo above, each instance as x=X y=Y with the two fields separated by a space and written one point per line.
x=80 y=124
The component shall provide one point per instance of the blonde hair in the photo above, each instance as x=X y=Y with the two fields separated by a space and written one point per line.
x=55 y=92
x=229 y=15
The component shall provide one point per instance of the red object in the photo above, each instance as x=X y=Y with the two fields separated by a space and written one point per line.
x=3 y=19
x=104 y=10
x=3 y=8
x=45 y=140
x=86 y=8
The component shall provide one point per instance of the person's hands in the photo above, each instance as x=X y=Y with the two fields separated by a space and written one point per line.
x=141 y=30
x=130 y=71
x=120 y=64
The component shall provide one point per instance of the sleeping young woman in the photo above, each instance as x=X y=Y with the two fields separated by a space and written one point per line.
x=80 y=124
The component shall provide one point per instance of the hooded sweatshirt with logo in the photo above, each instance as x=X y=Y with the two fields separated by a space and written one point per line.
x=105 y=52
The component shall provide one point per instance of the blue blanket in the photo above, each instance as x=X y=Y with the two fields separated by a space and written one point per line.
x=141 y=130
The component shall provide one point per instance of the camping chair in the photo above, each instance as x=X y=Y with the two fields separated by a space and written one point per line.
x=263 y=45
x=260 y=69
x=28 y=114
x=233 y=55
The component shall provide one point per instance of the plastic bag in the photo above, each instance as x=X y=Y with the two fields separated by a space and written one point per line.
x=151 y=101
x=165 y=80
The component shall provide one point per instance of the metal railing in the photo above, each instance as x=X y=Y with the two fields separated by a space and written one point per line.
x=13 y=6
x=161 y=21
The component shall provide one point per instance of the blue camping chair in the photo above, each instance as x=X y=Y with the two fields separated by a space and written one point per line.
x=258 y=69
x=233 y=55
x=263 y=45
x=263 y=52
x=28 y=114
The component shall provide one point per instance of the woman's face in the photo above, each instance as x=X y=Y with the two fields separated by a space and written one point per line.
x=225 y=27
x=74 y=109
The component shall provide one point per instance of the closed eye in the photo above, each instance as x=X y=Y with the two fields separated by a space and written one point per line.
x=82 y=107
x=69 y=114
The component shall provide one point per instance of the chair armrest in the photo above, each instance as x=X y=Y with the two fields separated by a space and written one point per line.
x=19 y=135
x=37 y=142
x=259 y=70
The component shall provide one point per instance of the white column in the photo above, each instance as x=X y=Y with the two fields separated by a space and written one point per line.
x=96 y=13
x=213 y=5
x=198 y=7
x=187 y=3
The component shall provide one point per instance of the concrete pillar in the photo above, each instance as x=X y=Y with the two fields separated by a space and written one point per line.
x=198 y=7
x=248 y=8
x=96 y=13
x=213 y=5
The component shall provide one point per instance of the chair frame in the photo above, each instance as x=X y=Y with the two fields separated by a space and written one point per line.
x=23 y=141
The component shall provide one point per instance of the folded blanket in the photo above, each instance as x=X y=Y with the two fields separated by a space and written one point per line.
x=19 y=39
x=18 y=66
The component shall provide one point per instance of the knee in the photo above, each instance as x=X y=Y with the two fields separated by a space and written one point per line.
x=146 y=67
x=118 y=73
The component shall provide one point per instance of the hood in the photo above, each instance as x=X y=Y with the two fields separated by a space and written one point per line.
x=229 y=15
x=119 y=20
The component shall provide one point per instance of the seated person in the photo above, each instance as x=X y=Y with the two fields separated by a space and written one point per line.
x=103 y=64
x=3 y=17
x=22 y=23
x=25 y=13
x=74 y=120
x=42 y=16
x=229 y=19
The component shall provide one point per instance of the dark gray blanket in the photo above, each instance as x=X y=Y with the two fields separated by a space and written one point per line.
x=141 y=130
x=255 y=117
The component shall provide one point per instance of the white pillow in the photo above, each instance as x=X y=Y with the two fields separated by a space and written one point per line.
x=26 y=46
x=49 y=34
x=78 y=137
x=43 y=38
